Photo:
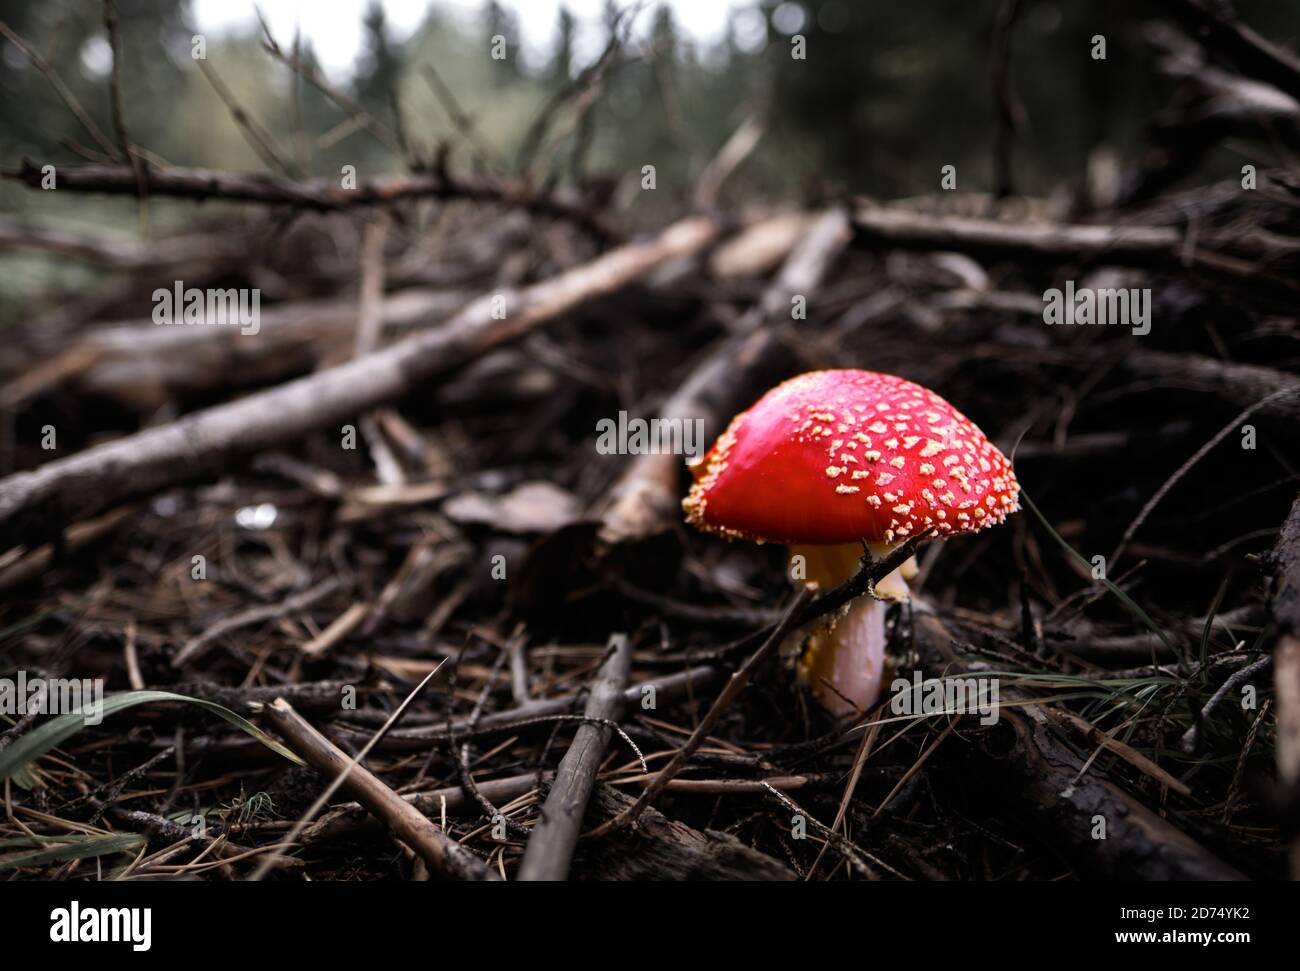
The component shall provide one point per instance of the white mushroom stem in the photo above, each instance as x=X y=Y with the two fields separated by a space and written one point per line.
x=842 y=656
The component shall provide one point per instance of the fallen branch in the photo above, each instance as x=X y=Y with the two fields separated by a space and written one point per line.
x=351 y=818
x=733 y=152
x=552 y=841
x=120 y=253
x=1042 y=777
x=322 y=195
x=323 y=695
x=1249 y=51
x=646 y=498
x=659 y=848
x=1065 y=798
x=35 y=504
x=442 y=854
x=140 y=362
x=1263 y=390
x=1237 y=258
x=1191 y=737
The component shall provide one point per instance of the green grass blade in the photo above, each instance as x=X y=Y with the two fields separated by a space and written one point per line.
x=1209 y=626
x=1129 y=604
x=74 y=848
x=16 y=759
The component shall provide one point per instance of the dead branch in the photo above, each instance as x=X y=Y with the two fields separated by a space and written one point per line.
x=319 y=194
x=1286 y=689
x=120 y=253
x=323 y=695
x=659 y=848
x=1065 y=798
x=734 y=151
x=555 y=835
x=1236 y=259
x=1266 y=391
x=140 y=363
x=309 y=73
x=351 y=818
x=441 y=853
x=460 y=118
x=258 y=138
x=588 y=80
x=1285 y=560
x=1249 y=51
x=208 y=441
x=1065 y=802
x=646 y=498
x=1191 y=737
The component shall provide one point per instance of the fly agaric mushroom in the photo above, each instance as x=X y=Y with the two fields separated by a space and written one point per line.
x=829 y=461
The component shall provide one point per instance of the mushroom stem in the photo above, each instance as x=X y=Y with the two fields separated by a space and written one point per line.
x=842 y=656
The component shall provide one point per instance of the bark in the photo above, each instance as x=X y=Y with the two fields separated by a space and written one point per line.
x=1039 y=776
x=663 y=849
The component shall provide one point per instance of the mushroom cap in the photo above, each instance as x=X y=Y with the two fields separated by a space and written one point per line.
x=846 y=456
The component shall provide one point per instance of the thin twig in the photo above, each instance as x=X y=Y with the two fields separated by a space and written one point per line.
x=309 y=73
x=800 y=612
x=261 y=140
x=552 y=842
x=1187 y=466
x=119 y=115
x=196 y=646
x=463 y=122
x=1192 y=736
x=62 y=90
x=441 y=853
x=735 y=685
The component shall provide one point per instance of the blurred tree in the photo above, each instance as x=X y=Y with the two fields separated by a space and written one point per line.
x=885 y=96
x=561 y=64
x=379 y=72
x=500 y=22
x=380 y=66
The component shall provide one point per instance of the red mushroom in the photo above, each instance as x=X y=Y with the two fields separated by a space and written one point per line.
x=830 y=460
